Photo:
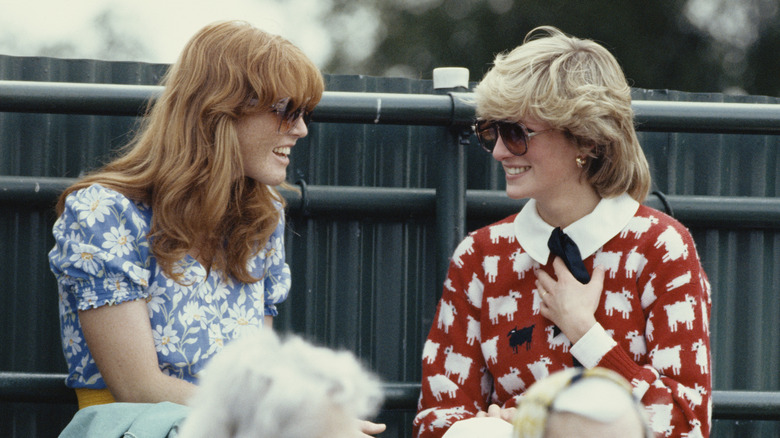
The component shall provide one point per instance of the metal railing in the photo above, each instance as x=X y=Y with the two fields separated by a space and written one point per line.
x=452 y=109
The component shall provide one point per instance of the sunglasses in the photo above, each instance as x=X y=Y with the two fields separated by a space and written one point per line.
x=514 y=134
x=289 y=114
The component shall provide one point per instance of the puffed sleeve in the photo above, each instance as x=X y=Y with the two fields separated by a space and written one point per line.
x=101 y=252
x=277 y=272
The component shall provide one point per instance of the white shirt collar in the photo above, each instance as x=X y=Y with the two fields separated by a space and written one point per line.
x=590 y=232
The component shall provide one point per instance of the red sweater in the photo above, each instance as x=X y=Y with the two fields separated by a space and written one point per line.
x=489 y=342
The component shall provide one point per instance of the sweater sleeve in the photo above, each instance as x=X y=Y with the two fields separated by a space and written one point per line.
x=675 y=385
x=455 y=381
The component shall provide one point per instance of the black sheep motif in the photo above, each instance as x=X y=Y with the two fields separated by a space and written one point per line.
x=520 y=337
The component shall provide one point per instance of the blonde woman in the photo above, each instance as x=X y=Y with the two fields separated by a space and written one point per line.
x=584 y=275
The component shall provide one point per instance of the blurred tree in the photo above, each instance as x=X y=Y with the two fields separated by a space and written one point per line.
x=669 y=44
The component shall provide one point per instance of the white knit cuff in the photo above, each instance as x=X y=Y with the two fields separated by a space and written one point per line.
x=592 y=346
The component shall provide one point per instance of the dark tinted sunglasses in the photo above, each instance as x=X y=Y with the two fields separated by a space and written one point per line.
x=288 y=114
x=514 y=134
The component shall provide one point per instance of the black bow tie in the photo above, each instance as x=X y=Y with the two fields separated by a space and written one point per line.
x=561 y=245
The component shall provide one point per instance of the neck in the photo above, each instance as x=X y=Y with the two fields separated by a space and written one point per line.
x=564 y=210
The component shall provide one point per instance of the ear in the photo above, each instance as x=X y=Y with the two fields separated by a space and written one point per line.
x=589 y=149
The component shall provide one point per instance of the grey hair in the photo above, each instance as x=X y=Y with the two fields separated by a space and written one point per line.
x=261 y=385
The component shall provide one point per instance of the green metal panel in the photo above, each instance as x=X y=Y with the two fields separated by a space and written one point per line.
x=366 y=280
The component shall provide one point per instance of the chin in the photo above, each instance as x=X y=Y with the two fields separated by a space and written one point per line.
x=515 y=194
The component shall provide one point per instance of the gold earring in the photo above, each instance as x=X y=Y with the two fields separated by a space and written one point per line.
x=580 y=161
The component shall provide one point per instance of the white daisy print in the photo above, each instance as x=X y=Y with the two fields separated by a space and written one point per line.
x=239 y=320
x=93 y=205
x=71 y=340
x=85 y=257
x=165 y=339
x=118 y=241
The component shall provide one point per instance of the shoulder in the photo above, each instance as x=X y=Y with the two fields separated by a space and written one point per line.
x=503 y=228
x=658 y=224
x=482 y=240
x=97 y=205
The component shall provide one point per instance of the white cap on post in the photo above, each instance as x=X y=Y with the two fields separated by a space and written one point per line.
x=450 y=77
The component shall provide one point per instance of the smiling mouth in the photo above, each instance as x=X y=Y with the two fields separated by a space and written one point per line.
x=516 y=170
x=282 y=151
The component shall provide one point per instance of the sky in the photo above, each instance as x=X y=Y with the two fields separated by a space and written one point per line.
x=156 y=30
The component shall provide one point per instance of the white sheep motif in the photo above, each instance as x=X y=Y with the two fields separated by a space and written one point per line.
x=505 y=230
x=637 y=344
x=490 y=350
x=430 y=350
x=660 y=416
x=447 y=314
x=539 y=368
x=648 y=294
x=666 y=358
x=559 y=340
x=694 y=395
x=673 y=243
x=681 y=312
x=440 y=384
x=522 y=263
x=635 y=263
x=475 y=291
x=490 y=265
x=638 y=225
x=680 y=281
x=537 y=304
x=445 y=417
x=503 y=306
x=620 y=301
x=610 y=260
x=466 y=246
x=695 y=431
x=473 y=331
x=702 y=357
x=456 y=363
x=511 y=382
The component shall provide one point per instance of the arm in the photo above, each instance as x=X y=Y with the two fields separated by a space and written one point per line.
x=120 y=340
x=453 y=368
x=673 y=380
x=276 y=273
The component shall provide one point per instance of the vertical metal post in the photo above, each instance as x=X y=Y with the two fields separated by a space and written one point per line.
x=451 y=190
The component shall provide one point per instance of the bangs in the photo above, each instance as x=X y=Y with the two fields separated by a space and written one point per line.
x=508 y=94
x=283 y=71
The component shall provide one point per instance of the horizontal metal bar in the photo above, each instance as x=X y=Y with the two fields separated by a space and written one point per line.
x=35 y=388
x=50 y=388
x=742 y=405
x=716 y=117
x=76 y=98
x=735 y=212
x=386 y=108
x=408 y=203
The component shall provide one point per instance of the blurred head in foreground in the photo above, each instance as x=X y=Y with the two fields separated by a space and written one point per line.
x=263 y=386
x=578 y=403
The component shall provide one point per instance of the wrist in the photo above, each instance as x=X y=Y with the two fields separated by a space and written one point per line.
x=578 y=329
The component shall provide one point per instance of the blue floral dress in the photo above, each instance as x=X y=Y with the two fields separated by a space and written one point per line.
x=102 y=257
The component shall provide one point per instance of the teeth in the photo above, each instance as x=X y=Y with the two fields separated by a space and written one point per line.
x=515 y=170
x=282 y=151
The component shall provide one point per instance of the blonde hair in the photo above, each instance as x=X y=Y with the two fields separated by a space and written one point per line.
x=562 y=391
x=576 y=86
x=185 y=160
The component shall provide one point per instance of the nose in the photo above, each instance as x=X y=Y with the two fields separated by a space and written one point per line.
x=500 y=152
x=300 y=129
